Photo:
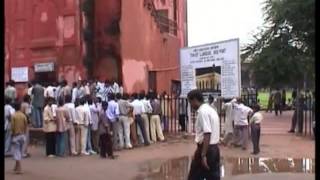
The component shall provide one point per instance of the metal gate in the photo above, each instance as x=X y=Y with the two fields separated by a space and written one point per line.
x=177 y=116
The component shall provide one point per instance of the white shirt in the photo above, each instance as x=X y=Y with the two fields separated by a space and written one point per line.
x=30 y=91
x=207 y=122
x=9 y=111
x=87 y=109
x=87 y=90
x=229 y=117
x=147 y=105
x=94 y=116
x=138 y=107
x=57 y=92
x=82 y=115
x=81 y=92
x=121 y=90
x=74 y=94
x=72 y=112
x=116 y=88
x=49 y=92
x=241 y=113
x=256 y=118
x=54 y=108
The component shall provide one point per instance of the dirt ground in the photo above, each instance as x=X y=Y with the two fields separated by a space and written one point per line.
x=128 y=165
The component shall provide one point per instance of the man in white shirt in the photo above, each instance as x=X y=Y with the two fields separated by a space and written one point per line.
x=145 y=116
x=241 y=132
x=81 y=90
x=87 y=88
x=71 y=129
x=138 y=110
x=120 y=89
x=82 y=116
x=255 y=122
x=228 y=124
x=206 y=161
x=74 y=92
x=49 y=91
x=115 y=87
x=87 y=108
x=29 y=92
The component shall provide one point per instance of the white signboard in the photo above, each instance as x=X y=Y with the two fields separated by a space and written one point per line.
x=212 y=67
x=19 y=74
x=44 y=67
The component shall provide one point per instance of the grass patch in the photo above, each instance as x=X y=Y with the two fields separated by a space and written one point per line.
x=264 y=97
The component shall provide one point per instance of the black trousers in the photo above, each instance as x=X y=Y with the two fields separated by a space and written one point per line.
x=105 y=143
x=198 y=172
x=297 y=118
x=300 y=120
x=255 y=137
x=277 y=108
x=182 y=122
x=294 y=121
x=50 y=143
x=140 y=123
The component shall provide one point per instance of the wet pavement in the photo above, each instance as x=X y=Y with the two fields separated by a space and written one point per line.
x=171 y=160
x=177 y=169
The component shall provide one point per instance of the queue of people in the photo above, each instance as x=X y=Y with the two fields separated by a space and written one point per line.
x=86 y=119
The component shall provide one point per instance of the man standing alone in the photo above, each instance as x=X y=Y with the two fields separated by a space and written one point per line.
x=277 y=102
x=206 y=161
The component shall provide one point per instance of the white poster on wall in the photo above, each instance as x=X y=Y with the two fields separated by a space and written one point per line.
x=213 y=68
x=19 y=74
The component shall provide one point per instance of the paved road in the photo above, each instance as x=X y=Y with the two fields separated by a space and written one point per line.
x=128 y=166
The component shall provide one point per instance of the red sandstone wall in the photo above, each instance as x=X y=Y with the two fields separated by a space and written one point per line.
x=44 y=31
x=145 y=48
x=107 y=45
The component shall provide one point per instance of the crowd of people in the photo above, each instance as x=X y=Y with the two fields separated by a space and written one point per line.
x=92 y=117
x=86 y=119
x=238 y=118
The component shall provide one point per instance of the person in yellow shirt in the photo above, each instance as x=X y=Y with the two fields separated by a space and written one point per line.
x=19 y=124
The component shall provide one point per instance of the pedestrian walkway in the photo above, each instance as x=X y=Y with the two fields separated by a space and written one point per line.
x=273 y=124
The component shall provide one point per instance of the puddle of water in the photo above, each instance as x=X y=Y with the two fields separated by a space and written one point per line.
x=178 y=169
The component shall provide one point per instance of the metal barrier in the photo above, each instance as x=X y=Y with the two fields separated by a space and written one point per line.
x=304 y=115
x=308 y=115
x=177 y=116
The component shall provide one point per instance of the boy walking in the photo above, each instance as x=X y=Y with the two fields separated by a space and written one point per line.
x=19 y=128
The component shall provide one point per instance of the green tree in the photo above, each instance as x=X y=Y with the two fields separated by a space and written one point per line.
x=283 y=51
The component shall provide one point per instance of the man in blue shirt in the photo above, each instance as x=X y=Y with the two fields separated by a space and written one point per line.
x=113 y=115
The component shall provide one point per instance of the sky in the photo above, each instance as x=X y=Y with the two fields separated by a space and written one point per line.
x=216 y=20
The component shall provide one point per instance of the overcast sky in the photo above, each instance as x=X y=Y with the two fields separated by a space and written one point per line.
x=217 y=20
